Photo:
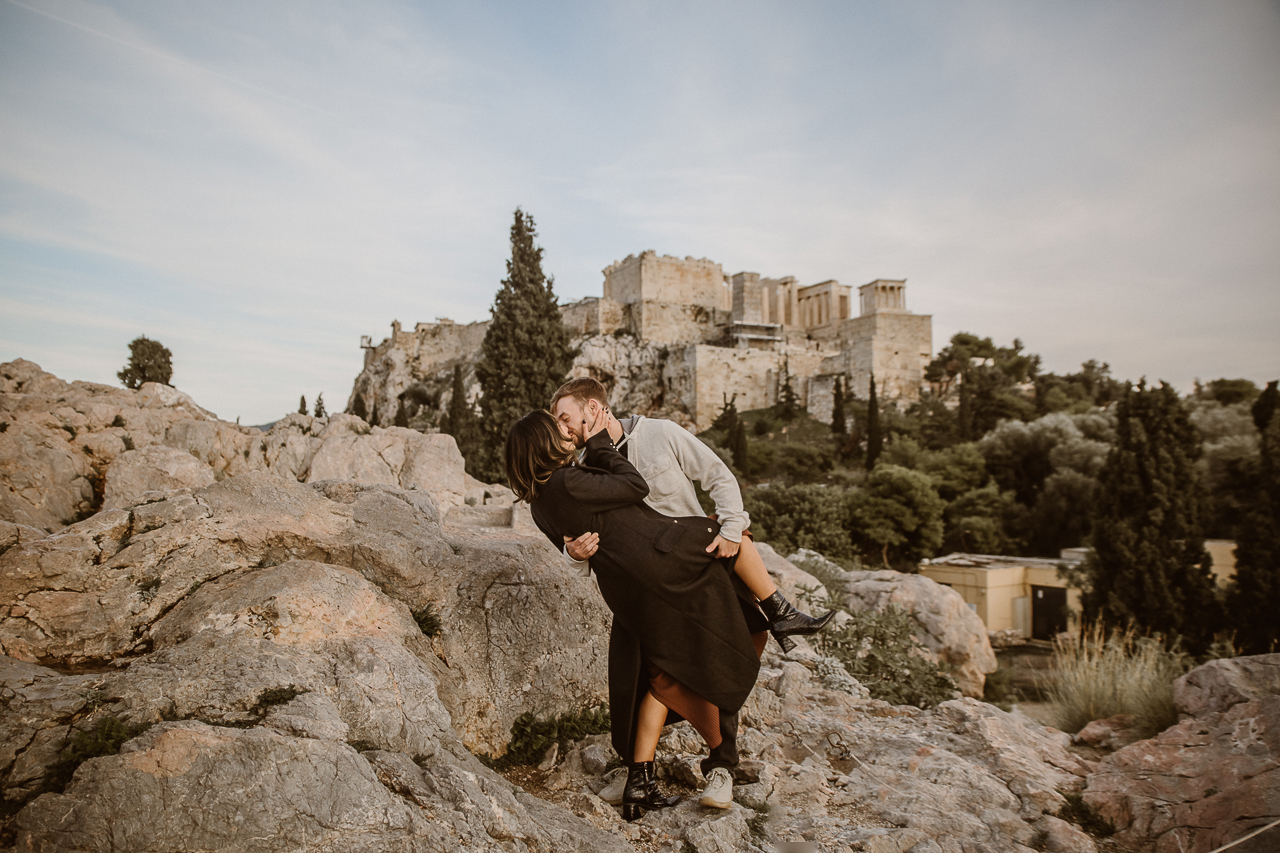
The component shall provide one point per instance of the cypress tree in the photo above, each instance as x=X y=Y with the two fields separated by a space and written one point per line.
x=320 y=410
x=525 y=355
x=1148 y=566
x=738 y=445
x=838 y=424
x=402 y=416
x=459 y=418
x=358 y=409
x=1265 y=406
x=727 y=418
x=788 y=405
x=302 y=404
x=875 y=440
x=1256 y=590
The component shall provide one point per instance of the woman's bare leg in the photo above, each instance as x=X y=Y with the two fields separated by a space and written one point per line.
x=750 y=567
x=649 y=727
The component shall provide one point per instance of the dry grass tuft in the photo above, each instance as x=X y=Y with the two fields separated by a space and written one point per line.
x=1100 y=676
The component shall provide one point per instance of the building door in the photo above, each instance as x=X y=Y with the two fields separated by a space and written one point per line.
x=1048 y=612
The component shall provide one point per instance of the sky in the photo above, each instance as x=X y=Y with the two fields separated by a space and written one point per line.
x=258 y=184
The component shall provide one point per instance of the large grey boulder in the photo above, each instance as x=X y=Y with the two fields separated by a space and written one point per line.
x=68 y=450
x=347 y=745
x=853 y=773
x=520 y=632
x=397 y=457
x=155 y=468
x=952 y=632
x=1219 y=684
x=1212 y=778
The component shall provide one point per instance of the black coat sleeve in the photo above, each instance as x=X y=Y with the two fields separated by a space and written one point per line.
x=607 y=480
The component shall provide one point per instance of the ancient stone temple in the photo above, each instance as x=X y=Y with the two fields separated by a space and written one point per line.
x=674 y=337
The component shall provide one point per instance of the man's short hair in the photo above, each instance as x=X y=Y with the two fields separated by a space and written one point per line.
x=581 y=389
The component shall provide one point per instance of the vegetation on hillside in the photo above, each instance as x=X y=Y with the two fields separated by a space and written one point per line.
x=525 y=355
x=149 y=361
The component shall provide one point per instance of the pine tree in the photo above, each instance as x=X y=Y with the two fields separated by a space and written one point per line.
x=1149 y=566
x=1252 y=599
x=149 y=361
x=788 y=405
x=320 y=410
x=738 y=445
x=875 y=440
x=1265 y=406
x=302 y=404
x=525 y=354
x=838 y=424
x=727 y=418
x=459 y=418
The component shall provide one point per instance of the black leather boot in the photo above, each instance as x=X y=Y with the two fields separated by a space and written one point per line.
x=785 y=620
x=641 y=793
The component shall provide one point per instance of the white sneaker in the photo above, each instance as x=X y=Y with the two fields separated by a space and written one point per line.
x=719 y=791
x=615 y=782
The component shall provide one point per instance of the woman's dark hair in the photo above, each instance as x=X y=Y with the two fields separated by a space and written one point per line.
x=535 y=449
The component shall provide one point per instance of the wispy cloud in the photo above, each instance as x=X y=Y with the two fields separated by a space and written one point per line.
x=262 y=183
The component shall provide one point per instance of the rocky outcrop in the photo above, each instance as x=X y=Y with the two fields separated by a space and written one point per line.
x=68 y=450
x=415 y=375
x=293 y=709
x=849 y=773
x=1210 y=779
x=108 y=587
x=947 y=627
x=152 y=469
x=317 y=660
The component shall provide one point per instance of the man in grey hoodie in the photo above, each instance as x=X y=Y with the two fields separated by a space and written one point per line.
x=670 y=459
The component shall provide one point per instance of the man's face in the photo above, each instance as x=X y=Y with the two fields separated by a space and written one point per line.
x=570 y=414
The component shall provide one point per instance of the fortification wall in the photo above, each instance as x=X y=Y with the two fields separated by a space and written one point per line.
x=663 y=278
x=596 y=316
x=668 y=323
x=896 y=345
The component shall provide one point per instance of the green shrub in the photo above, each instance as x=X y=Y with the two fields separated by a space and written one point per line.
x=531 y=737
x=1100 y=676
x=1085 y=816
x=794 y=517
x=880 y=649
x=105 y=738
x=429 y=621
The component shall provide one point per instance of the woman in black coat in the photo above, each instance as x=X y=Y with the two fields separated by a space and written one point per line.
x=679 y=619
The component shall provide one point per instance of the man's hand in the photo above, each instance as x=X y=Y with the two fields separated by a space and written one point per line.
x=585 y=546
x=722 y=547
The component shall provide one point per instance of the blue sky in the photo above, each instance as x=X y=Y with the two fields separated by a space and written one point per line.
x=258 y=184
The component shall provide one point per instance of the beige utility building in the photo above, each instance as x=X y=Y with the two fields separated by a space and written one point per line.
x=677 y=336
x=1022 y=593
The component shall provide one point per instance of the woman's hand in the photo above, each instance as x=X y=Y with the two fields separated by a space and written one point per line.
x=582 y=548
x=598 y=423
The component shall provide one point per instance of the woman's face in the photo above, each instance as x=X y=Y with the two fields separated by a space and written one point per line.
x=566 y=436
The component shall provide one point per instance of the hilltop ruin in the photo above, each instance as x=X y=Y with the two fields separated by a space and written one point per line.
x=675 y=337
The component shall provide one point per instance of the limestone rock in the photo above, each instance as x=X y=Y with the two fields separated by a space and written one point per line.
x=152 y=469
x=397 y=457
x=317 y=656
x=1208 y=780
x=97 y=590
x=1219 y=684
x=70 y=449
x=1111 y=733
x=187 y=785
x=948 y=628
